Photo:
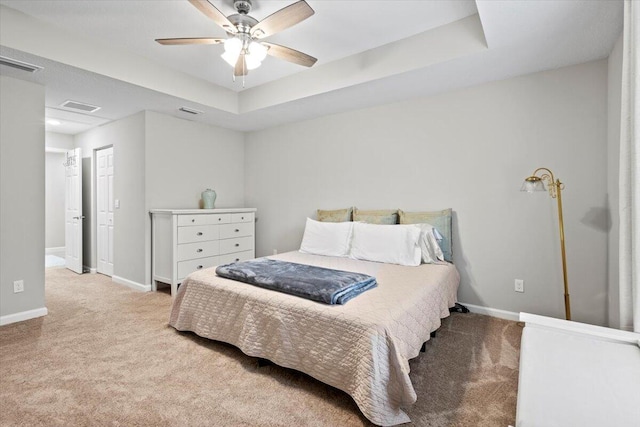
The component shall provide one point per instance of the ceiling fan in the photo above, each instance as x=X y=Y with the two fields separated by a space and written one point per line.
x=244 y=48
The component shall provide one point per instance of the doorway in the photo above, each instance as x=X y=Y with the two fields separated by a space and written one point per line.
x=104 y=210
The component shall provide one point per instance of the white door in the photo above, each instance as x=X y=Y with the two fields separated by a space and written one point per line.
x=104 y=193
x=73 y=210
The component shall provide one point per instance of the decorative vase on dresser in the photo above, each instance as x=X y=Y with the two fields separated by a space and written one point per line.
x=208 y=198
x=187 y=240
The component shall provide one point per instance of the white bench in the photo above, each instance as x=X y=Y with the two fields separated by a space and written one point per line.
x=573 y=374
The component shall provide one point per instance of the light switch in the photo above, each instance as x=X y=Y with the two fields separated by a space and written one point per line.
x=117 y=203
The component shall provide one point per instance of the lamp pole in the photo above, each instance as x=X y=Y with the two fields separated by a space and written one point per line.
x=567 y=302
x=555 y=190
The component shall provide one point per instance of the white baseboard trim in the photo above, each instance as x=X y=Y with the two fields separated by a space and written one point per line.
x=131 y=284
x=493 y=312
x=55 y=251
x=23 y=315
x=89 y=269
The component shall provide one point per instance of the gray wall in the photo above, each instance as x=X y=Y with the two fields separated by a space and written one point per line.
x=160 y=162
x=469 y=150
x=613 y=178
x=54 y=200
x=183 y=158
x=21 y=195
x=127 y=137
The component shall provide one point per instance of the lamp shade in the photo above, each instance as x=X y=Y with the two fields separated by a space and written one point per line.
x=533 y=183
x=232 y=48
x=255 y=56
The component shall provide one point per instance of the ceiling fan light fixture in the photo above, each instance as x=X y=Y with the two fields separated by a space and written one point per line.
x=233 y=46
x=258 y=51
x=252 y=62
x=230 y=58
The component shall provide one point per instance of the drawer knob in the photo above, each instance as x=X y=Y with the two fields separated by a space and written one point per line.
x=237 y=231
x=199 y=250
x=237 y=259
x=199 y=233
x=199 y=267
x=193 y=220
x=237 y=244
x=219 y=219
x=241 y=217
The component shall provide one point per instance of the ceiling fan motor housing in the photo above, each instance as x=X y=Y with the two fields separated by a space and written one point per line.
x=242 y=6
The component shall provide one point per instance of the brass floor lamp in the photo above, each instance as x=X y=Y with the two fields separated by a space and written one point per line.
x=536 y=183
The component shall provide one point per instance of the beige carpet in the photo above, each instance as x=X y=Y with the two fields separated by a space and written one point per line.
x=105 y=356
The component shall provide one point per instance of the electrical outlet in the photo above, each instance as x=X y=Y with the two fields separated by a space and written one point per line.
x=519 y=286
x=18 y=286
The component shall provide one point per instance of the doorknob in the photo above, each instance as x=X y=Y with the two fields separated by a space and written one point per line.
x=79 y=217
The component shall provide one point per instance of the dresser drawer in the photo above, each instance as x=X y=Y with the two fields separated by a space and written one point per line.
x=197 y=233
x=187 y=267
x=203 y=219
x=242 y=217
x=236 y=245
x=198 y=250
x=242 y=229
x=238 y=256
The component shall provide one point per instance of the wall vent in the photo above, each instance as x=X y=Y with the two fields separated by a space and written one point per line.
x=80 y=106
x=189 y=110
x=24 y=66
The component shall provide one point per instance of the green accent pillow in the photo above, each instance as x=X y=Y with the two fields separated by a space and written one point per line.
x=376 y=217
x=339 y=215
x=441 y=220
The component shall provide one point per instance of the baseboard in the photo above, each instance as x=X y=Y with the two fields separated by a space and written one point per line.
x=23 y=315
x=493 y=312
x=55 y=251
x=131 y=284
x=90 y=270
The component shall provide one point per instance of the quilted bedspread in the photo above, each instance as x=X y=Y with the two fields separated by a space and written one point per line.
x=362 y=348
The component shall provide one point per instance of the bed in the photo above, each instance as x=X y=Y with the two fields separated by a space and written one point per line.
x=362 y=347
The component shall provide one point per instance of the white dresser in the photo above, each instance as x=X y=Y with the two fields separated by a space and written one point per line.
x=184 y=241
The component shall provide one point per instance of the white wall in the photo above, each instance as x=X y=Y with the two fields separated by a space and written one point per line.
x=184 y=158
x=469 y=150
x=59 y=141
x=21 y=197
x=54 y=200
x=613 y=177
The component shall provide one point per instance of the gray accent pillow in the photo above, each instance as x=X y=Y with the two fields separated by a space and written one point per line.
x=338 y=215
x=441 y=220
x=376 y=217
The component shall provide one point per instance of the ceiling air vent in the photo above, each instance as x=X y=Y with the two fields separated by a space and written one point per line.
x=80 y=106
x=189 y=110
x=24 y=66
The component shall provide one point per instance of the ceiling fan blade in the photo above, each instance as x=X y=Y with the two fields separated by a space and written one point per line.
x=190 y=40
x=290 y=55
x=214 y=14
x=241 y=67
x=282 y=19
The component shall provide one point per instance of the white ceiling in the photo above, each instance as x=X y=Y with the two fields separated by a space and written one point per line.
x=369 y=53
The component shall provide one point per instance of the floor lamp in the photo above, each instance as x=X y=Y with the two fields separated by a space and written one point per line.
x=536 y=183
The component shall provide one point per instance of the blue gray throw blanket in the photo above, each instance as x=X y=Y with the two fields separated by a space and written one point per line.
x=306 y=281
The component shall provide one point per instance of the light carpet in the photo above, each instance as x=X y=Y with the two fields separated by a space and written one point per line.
x=105 y=356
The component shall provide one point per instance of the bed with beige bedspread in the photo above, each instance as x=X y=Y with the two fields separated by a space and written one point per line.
x=362 y=347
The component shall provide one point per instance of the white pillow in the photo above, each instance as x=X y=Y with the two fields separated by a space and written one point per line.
x=326 y=238
x=428 y=242
x=393 y=244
